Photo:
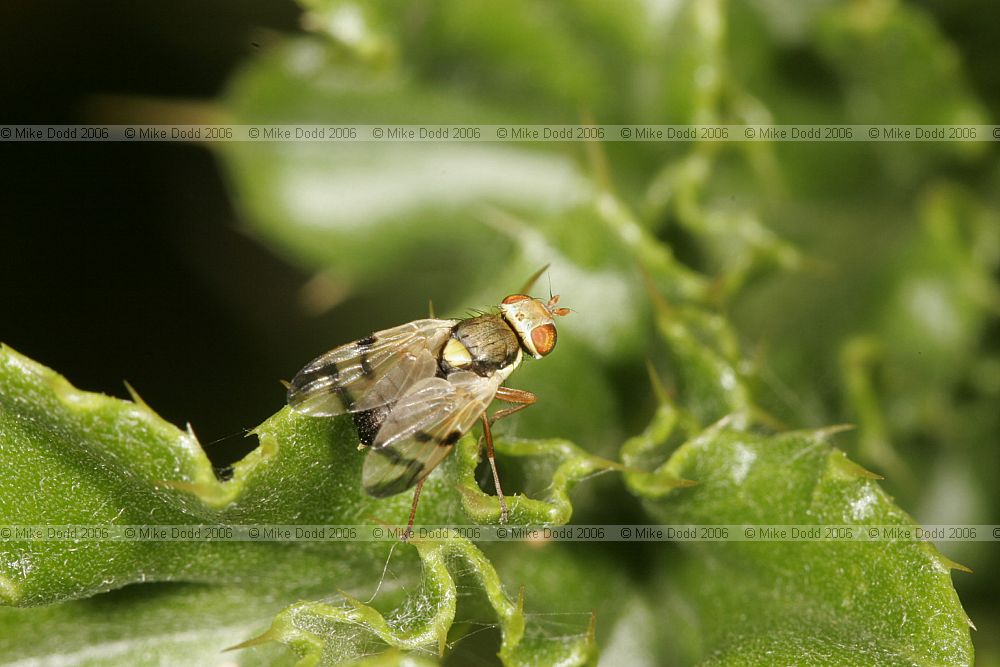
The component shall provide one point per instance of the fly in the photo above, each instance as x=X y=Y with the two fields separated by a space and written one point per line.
x=415 y=389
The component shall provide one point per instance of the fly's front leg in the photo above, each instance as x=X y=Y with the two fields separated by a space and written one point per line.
x=524 y=399
x=508 y=395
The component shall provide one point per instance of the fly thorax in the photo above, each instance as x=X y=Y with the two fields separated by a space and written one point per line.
x=483 y=345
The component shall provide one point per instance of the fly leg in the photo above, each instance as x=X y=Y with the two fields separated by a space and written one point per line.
x=488 y=435
x=413 y=510
x=508 y=395
x=523 y=399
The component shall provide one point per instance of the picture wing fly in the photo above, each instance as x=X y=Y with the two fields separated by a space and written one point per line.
x=370 y=372
x=422 y=428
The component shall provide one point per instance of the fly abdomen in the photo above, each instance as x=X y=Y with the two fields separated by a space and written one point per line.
x=368 y=422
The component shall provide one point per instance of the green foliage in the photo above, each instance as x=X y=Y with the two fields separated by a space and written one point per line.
x=122 y=465
x=814 y=602
x=764 y=289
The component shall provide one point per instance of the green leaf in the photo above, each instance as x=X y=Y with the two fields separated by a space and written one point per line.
x=105 y=461
x=363 y=209
x=176 y=624
x=802 y=602
x=900 y=55
x=325 y=633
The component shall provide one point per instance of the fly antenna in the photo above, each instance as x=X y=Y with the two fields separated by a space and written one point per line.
x=534 y=277
x=550 y=287
x=551 y=305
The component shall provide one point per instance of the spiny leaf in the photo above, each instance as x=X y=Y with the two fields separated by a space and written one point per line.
x=571 y=465
x=330 y=634
x=877 y=602
x=106 y=461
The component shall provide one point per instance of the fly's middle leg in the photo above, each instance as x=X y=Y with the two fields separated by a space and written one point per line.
x=523 y=400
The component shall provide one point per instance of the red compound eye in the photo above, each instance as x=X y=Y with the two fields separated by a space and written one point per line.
x=514 y=298
x=543 y=337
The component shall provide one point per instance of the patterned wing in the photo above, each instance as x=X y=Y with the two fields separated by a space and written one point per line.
x=422 y=428
x=371 y=372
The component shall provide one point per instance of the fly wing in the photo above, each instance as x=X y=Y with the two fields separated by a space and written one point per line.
x=371 y=372
x=423 y=427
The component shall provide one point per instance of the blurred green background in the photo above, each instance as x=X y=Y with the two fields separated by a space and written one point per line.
x=855 y=282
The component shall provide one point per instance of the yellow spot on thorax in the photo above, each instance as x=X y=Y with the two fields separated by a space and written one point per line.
x=456 y=354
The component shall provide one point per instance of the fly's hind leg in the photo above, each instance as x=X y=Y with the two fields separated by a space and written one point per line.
x=413 y=510
x=523 y=399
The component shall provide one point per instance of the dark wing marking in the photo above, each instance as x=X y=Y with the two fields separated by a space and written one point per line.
x=370 y=372
x=422 y=428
